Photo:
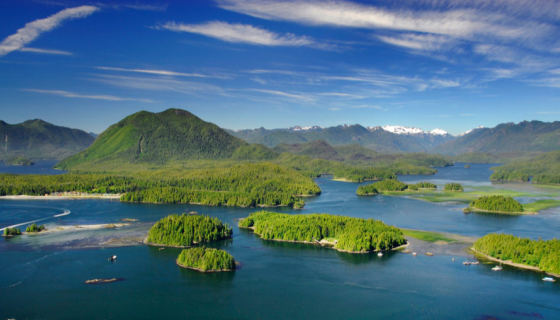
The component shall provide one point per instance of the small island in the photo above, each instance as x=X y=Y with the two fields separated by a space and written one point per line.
x=497 y=204
x=206 y=260
x=34 y=228
x=10 y=232
x=19 y=161
x=342 y=233
x=538 y=255
x=452 y=186
x=390 y=185
x=185 y=230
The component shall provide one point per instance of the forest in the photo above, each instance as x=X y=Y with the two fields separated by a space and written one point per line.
x=452 y=186
x=206 y=259
x=185 y=230
x=248 y=184
x=8 y=232
x=497 y=203
x=535 y=253
x=35 y=228
x=543 y=169
x=349 y=234
x=392 y=185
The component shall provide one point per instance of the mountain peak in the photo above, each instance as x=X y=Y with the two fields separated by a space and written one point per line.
x=438 y=131
x=469 y=131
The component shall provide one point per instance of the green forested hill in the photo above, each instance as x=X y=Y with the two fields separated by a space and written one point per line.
x=543 y=169
x=314 y=149
x=157 y=138
x=37 y=139
x=535 y=136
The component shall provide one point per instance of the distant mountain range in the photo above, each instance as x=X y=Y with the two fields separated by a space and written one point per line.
x=37 y=139
x=534 y=136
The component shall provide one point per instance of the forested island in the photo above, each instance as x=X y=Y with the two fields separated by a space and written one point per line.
x=206 y=260
x=10 y=232
x=343 y=233
x=497 y=203
x=452 y=186
x=35 y=228
x=542 y=169
x=19 y=161
x=541 y=254
x=392 y=185
x=185 y=230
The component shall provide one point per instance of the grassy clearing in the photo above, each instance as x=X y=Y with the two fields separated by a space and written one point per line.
x=541 y=205
x=427 y=235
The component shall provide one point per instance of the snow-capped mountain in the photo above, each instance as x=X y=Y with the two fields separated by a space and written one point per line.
x=410 y=130
x=469 y=131
x=300 y=128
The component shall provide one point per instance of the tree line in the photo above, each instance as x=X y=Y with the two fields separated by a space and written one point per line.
x=497 y=203
x=535 y=253
x=392 y=185
x=206 y=259
x=186 y=230
x=351 y=234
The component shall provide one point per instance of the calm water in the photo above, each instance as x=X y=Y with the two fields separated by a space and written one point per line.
x=40 y=167
x=42 y=276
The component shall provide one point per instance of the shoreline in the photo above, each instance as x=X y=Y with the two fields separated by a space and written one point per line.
x=513 y=264
x=67 y=197
x=200 y=270
x=325 y=243
x=473 y=209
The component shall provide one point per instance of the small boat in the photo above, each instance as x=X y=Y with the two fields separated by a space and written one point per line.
x=497 y=268
x=113 y=258
x=468 y=263
x=414 y=254
x=380 y=254
x=161 y=249
x=548 y=279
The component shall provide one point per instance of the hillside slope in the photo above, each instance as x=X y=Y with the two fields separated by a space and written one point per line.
x=37 y=139
x=157 y=138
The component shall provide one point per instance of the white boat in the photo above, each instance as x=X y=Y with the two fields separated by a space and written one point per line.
x=414 y=254
x=113 y=258
x=380 y=254
x=548 y=279
x=497 y=268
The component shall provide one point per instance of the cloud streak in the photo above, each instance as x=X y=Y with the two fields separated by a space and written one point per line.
x=33 y=30
x=68 y=94
x=46 y=51
x=162 y=72
x=241 y=33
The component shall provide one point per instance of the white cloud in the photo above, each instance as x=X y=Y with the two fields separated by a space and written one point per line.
x=162 y=72
x=285 y=94
x=240 y=33
x=68 y=94
x=363 y=106
x=46 y=51
x=463 y=22
x=423 y=42
x=192 y=88
x=34 y=29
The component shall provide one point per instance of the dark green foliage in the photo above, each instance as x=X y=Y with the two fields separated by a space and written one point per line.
x=186 y=230
x=392 y=185
x=241 y=185
x=314 y=149
x=497 y=203
x=156 y=138
x=453 y=187
x=544 y=169
x=422 y=185
x=19 y=161
x=37 y=139
x=367 y=190
x=535 y=253
x=254 y=152
x=12 y=232
x=35 y=228
x=352 y=234
x=206 y=259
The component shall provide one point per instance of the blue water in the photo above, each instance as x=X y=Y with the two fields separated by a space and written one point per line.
x=43 y=275
x=40 y=167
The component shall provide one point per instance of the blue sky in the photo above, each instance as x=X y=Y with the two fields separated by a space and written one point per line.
x=431 y=64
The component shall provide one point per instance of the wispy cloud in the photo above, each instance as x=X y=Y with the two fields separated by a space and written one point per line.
x=241 y=33
x=162 y=72
x=300 y=97
x=46 y=51
x=363 y=106
x=33 y=30
x=68 y=94
x=334 y=109
x=198 y=89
